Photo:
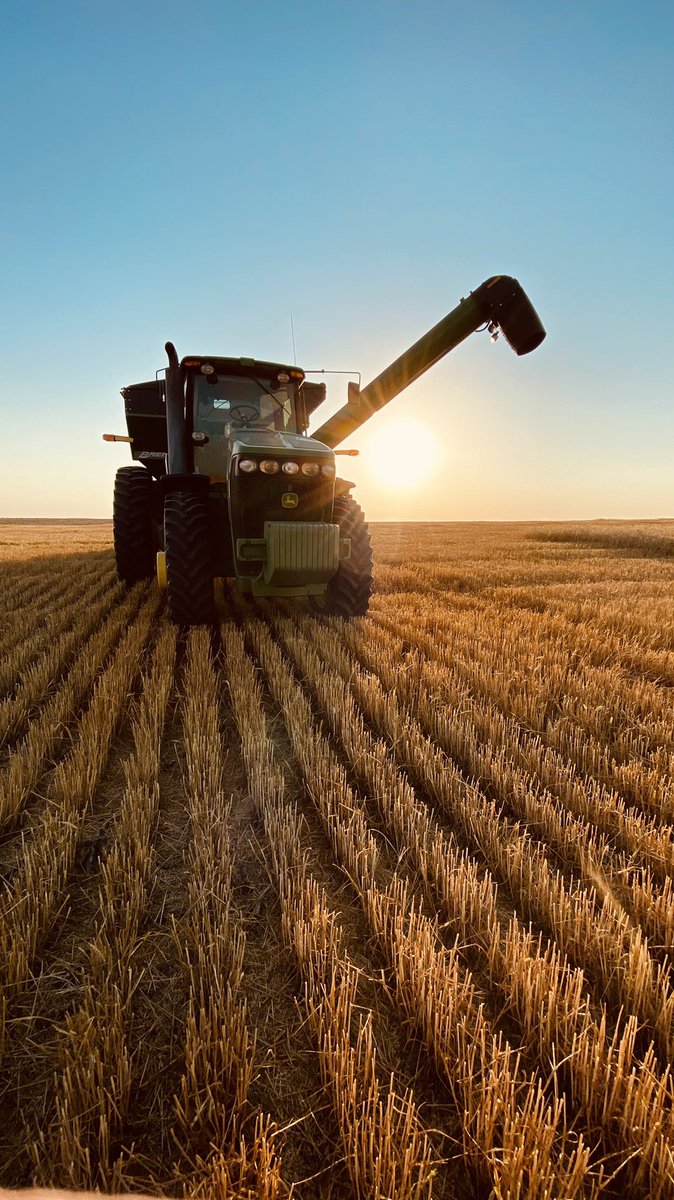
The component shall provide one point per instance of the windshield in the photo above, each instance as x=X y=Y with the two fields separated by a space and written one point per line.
x=235 y=402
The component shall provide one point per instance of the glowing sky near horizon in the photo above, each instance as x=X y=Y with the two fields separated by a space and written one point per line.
x=199 y=172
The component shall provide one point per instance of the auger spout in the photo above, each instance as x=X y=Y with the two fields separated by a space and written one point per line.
x=499 y=302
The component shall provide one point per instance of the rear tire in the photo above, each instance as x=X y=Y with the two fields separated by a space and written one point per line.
x=348 y=592
x=132 y=524
x=189 y=570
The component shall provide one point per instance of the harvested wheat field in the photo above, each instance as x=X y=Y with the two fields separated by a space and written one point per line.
x=375 y=910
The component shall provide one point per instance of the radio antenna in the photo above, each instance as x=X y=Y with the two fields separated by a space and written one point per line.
x=292 y=333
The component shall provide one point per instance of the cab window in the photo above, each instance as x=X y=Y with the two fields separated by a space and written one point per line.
x=234 y=402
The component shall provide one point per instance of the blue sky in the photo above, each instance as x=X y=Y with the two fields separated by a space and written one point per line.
x=201 y=171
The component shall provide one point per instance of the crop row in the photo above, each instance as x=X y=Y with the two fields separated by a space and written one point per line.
x=549 y=999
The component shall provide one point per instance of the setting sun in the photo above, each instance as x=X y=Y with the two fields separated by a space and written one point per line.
x=403 y=455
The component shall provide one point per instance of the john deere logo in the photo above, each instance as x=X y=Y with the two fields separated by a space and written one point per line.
x=289 y=500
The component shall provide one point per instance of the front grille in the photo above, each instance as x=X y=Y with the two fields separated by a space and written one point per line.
x=257 y=498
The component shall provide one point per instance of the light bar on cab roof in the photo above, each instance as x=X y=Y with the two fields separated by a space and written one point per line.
x=116 y=437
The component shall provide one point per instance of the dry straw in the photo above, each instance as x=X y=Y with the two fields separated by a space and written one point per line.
x=36 y=894
x=83 y=1148
x=386 y=1152
x=494 y=1136
x=30 y=756
x=211 y=1104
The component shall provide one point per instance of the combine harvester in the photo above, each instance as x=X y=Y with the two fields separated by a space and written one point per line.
x=231 y=486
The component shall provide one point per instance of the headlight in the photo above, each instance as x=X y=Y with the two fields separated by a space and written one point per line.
x=247 y=465
x=328 y=470
x=310 y=468
x=269 y=466
x=290 y=468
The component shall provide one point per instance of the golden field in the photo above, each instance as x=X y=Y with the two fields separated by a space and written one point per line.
x=377 y=910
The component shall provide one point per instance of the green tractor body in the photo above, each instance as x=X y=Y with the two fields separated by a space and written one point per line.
x=230 y=485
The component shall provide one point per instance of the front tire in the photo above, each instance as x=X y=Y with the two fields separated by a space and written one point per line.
x=132 y=524
x=348 y=592
x=189 y=572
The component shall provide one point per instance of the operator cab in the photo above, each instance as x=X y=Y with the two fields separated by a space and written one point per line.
x=227 y=396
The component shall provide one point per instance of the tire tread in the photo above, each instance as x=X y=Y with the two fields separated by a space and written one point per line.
x=132 y=528
x=188 y=560
x=348 y=592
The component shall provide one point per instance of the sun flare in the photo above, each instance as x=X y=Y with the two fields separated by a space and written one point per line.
x=403 y=455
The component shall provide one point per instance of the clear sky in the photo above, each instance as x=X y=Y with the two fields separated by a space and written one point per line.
x=199 y=171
